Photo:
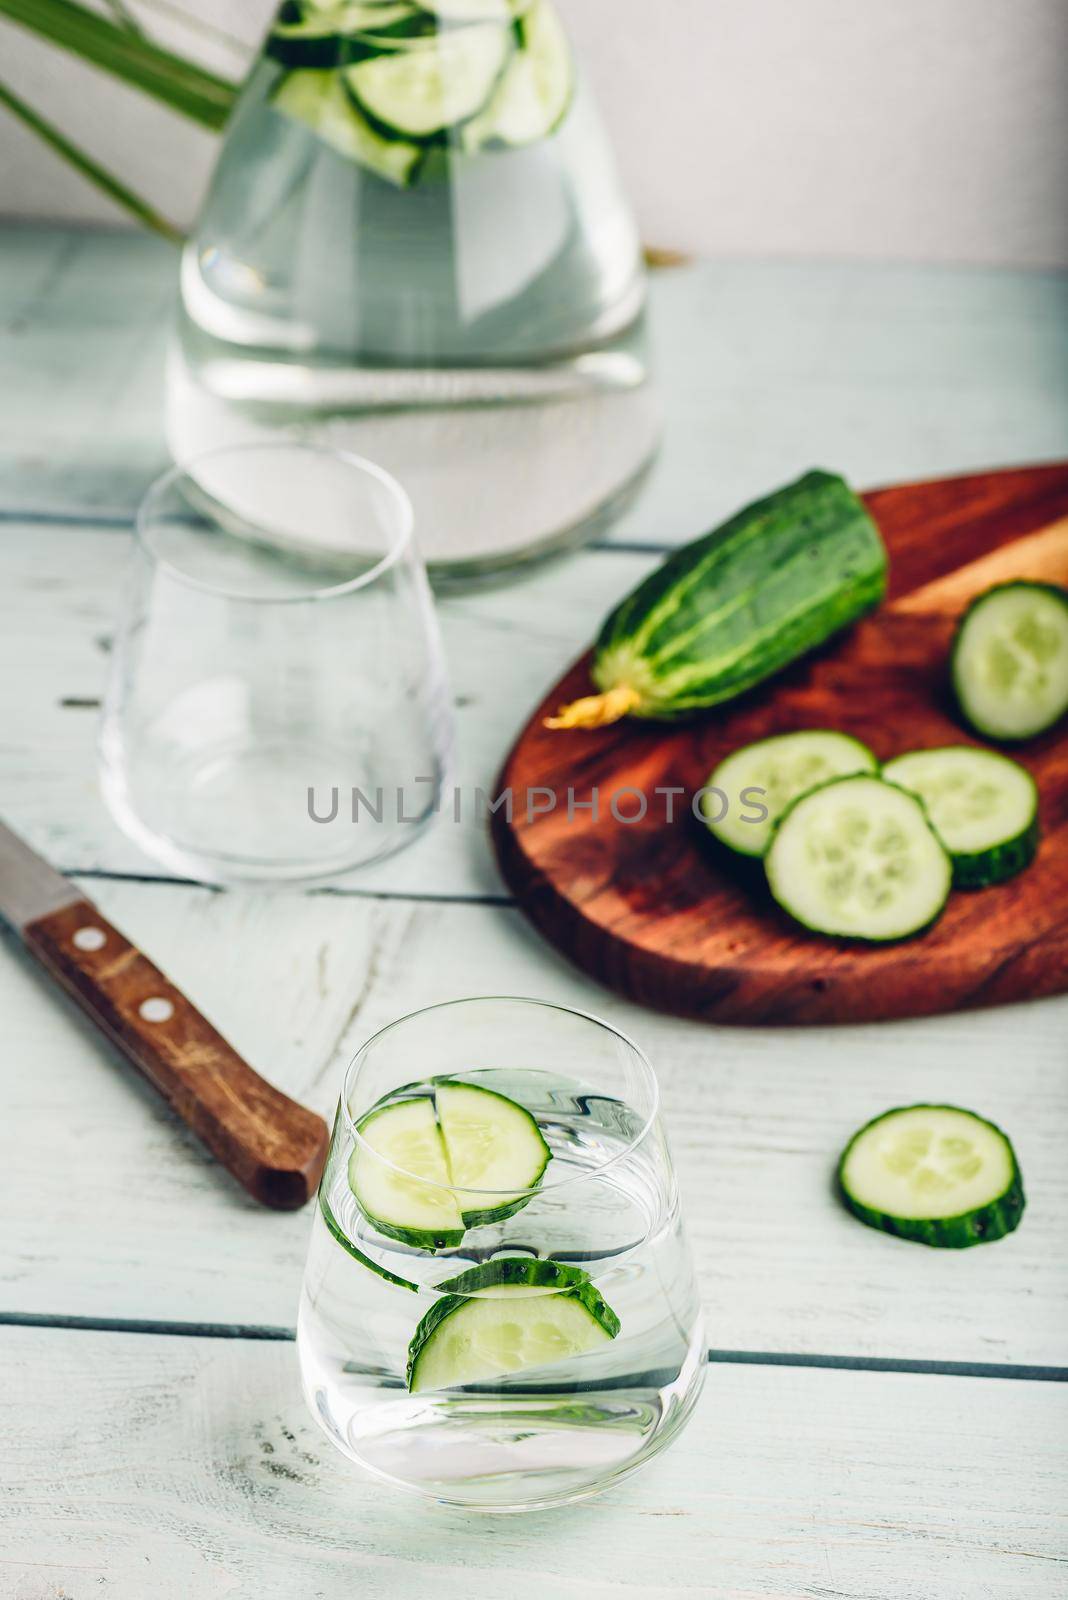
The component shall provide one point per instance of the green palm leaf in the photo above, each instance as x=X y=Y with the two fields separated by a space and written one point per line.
x=128 y=55
x=89 y=168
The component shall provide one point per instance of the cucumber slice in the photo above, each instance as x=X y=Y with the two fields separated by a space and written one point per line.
x=535 y=92
x=934 y=1174
x=406 y=1193
x=783 y=767
x=1009 y=660
x=982 y=806
x=490 y=1143
x=318 y=99
x=504 y=1317
x=473 y=10
x=858 y=859
x=420 y=91
x=330 y=37
x=510 y=1272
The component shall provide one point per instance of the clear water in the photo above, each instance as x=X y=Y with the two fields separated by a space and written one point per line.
x=402 y=323
x=544 y=1435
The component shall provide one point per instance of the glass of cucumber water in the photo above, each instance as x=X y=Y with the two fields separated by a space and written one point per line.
x=499 y=1307
x=416 y=245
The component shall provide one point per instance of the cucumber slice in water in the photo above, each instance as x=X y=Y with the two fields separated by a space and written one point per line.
x=340 y=1237
x=934 y=1174
x=490 y=1143
x=429 y=1160
x=420 y=91
x=327 y=37
x=504 y=1317
x=857 y=859
x=982 y=806
x=782 y=767
x=473 y=10
x=1010 y=660
x=535 y=92
x=400 y=1177
x=318 y=99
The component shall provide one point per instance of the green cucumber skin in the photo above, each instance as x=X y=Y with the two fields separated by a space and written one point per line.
x=418 y=1238
x=480 y=1219
x=519 y=1270
x=529 y=1271
x=986 y=868
x=337 y=1232
x=328 y=51
x=793 y=568
x=1057 y=592
x=982 y=1226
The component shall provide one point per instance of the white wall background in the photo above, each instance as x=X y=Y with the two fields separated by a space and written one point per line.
x=924 y=130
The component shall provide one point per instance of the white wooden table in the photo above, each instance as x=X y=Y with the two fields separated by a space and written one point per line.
x=880 y=1420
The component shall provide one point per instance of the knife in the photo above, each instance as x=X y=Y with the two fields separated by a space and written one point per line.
x=271 y=1145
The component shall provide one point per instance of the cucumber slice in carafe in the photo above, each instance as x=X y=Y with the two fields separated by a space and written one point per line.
x=419 y=91
x=535 y=91
x=318 y=100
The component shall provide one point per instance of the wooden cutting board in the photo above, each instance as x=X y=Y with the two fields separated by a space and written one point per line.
x=657 y=912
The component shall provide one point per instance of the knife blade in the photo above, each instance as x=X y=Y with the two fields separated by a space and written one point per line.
x=272 y=1145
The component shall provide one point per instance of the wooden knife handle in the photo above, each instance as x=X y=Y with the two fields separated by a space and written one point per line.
x=272 y=1145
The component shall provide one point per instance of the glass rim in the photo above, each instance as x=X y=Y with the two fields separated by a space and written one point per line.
x=508 y=999
x=401 y=542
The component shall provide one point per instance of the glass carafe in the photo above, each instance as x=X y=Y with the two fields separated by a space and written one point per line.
x=415 y=245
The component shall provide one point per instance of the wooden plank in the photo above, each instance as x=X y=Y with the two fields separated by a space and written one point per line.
x=190 y=1469
x=138 y=1224
x=887 y=373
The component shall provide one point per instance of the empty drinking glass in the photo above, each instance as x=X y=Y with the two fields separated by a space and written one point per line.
x=499 y=1305
x=277 y=707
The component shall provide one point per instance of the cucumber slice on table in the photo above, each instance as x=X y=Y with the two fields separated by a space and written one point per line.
x=982 y=806
x=418 y=92
x=318 y=99
x=491 y=1143
x=1010 y=660
x=934 y=1174
x=858 y=859
x=535 y=92
x=400 y=1177
x=503 y=1317
x=782 y=767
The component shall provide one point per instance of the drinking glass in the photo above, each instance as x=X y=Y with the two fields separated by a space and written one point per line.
x=277 y=705
x=551 y=1343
